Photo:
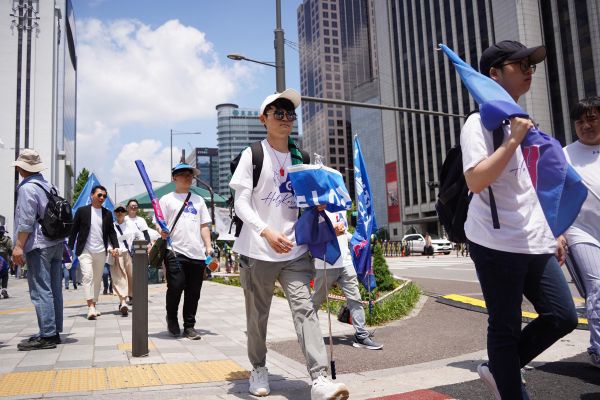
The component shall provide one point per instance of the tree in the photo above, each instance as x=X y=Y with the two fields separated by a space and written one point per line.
x=383 y=277
x=80 y=183
x=144 y=214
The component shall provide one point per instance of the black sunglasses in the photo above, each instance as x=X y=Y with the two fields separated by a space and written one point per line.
x=525 y=65
x=102 y=195
x=279 y=115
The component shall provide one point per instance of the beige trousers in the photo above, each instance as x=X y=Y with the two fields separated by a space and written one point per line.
x=121 y=272
x=92 y=266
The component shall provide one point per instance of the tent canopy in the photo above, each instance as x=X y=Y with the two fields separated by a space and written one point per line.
x=144 y=200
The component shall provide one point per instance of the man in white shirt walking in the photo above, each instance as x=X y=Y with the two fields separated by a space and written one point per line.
x=191 y=243
x=268 y=251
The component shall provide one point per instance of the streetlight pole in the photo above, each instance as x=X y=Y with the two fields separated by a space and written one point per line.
x=279 y=50
x=179 y=133
x=122 y=184
x=278 y=44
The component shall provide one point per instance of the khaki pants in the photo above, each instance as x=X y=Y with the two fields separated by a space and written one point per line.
x=92 y=266
x=121 y=272
x=258 y=280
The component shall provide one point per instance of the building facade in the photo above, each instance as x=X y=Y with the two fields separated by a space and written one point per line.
x=417 y=76
x=38 y=100
x=237 y=128
x=206 y=159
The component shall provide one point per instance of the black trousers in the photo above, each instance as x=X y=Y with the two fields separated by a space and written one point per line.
x=183 y=275
x=4 y=278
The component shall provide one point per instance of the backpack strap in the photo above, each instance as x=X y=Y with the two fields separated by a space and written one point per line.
x=48 y=196
x=258 y=156
x=498 y=136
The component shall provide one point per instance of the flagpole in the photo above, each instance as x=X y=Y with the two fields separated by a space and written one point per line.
x=326 y=288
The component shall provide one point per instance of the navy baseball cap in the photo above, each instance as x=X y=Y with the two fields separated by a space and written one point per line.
x=184 y=167
x=505 y=50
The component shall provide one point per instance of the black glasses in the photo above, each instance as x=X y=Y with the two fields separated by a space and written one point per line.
x=102 y=195
x=279 y=115
x=524 y=65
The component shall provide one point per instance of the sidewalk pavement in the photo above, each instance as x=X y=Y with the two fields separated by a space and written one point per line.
x=95 y=358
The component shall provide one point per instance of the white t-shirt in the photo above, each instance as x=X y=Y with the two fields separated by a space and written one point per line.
x=345 y=259
x=586 y=161
x=523 y=227
x=186 y=234
x=130 y=233
x=95 y=242
x=139 y=222
x=273 y=202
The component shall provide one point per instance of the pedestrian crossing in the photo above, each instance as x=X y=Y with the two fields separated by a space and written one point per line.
x=450 y=262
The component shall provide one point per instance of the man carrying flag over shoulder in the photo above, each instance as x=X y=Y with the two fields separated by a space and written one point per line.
x=518 y=257
x=269 y=252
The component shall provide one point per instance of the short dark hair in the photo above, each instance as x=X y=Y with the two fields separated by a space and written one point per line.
x=280 y=103
x=95 y=188
x=132 y=201
x=585 y=106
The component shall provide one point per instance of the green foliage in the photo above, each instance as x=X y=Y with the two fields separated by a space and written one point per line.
x=80 y=183
x=395 y=306
x=382 y=234
x=385 y=280
x=147 y=218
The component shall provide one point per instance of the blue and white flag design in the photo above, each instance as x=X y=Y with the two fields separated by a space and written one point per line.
x=316 y=185
x=365 y=223
x=559 y=188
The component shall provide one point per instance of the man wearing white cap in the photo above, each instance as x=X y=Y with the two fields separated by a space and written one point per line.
x=268 y=251
x=43 y=255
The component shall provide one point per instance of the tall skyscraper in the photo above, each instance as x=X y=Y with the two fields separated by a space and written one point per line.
x=237 y=128
x=407 y=34
x=326 y=128
x=38 y=100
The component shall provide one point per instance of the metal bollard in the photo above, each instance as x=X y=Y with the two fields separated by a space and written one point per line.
x=140 y=299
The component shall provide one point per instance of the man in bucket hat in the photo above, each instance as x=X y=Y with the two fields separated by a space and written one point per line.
x=42 y=255
x=188 y=219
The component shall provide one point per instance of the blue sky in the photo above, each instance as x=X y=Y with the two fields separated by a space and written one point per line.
x=145 y=67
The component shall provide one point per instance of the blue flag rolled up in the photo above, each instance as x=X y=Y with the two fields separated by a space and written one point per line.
x=315 y=185
x=559 y=188
x=365 y=223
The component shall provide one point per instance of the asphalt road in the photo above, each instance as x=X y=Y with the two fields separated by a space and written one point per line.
x=440 y=331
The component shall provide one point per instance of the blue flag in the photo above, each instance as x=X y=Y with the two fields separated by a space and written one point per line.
x=84 y=197
x=365 y=224
x=559 y=188
x=315 y=185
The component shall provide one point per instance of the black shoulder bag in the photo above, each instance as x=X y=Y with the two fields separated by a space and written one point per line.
x=159 y=249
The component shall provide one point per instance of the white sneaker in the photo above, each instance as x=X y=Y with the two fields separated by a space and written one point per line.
x=484 y=373
x=259 y=382
x=91 y=313
x=324 y=389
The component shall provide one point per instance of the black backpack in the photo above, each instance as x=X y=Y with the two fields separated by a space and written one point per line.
x=454 y=196
x=57 y=220
x=257 y=162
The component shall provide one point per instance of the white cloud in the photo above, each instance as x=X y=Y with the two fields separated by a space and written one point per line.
x=156 y=160
x=131 y=73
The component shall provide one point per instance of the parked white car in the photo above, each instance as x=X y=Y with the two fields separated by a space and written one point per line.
x=416 y=243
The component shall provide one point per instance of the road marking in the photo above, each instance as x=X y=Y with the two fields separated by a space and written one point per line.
x=424 y=394
x=474 y=304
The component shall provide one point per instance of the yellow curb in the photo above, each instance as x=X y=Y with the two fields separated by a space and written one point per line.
x=481 y=304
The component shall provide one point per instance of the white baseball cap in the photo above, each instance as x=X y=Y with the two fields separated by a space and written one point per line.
x=289 y=94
